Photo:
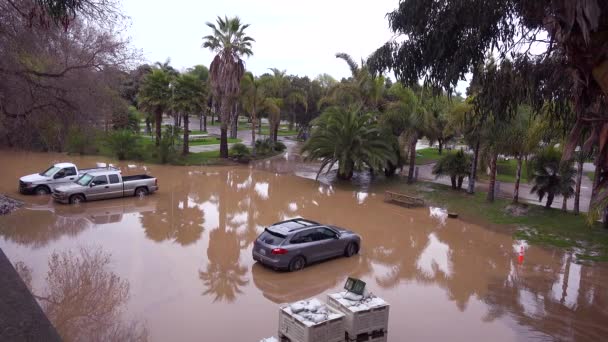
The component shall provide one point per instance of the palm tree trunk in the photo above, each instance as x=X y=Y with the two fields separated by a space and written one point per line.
x=200 y=121
x=440 y=142
x=186 y=135
x=565 y=204
x=226 y=109
x=453 y=181
x=159 y=121
x=204 y=123
x=410 y=173
x=517 y=179
x=460 y=180
x=493 y=161
x=550 y=198
x=471 y=188
x=253 y=118
x=577 y=190
x=275 y=135
x=148 y=126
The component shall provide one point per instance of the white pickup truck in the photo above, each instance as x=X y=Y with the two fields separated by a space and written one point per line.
x=45 y=182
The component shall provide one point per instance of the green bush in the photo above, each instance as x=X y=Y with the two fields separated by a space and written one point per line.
x=123 y=144
x=169 y=145
x=457 y=166
x=279 y=146
x=240 y=152
x=264 y=146
x=82 y=141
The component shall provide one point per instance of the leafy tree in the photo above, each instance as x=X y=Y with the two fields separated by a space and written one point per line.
x=457 y=166
x=445 y=39
x=202 y=73
x=155 y=96
x=189 y=98
x=229 y=41
x=254 y=101
x=551 y=177
x=350 y=139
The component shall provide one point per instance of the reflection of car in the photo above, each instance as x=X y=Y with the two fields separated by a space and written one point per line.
x=44 y=183
x=294 y=243
x=100 y=212
x=103 y=185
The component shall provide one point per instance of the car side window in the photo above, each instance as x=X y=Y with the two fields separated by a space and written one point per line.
x=59 y=174
x=323 y=234
x=100 y=180
x=113 y=179
x=303 y=237
x=70 y=171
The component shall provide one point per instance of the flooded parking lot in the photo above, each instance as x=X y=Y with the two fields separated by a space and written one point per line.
x=177 y=265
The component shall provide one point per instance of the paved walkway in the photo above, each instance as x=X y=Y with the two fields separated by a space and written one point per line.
x=506 y=189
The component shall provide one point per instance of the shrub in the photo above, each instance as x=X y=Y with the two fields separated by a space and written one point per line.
x=82 y=141
x=240 y=152
x=123 y=144
x=264 y=146
x=279 y=146
x=454 y=165
x=169 y=145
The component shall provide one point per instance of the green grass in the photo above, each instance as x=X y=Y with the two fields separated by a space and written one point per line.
x=550 y=227
x=212 y=141
x=505 y=172
x=428 y=155
x=281 y=132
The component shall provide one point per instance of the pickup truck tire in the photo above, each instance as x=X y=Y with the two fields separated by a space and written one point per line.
x=77 y=199
x=42 y=190
x=141 y=192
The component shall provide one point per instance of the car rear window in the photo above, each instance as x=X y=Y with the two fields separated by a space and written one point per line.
x=271 y=238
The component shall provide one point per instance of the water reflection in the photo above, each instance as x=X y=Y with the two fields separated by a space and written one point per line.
x=84 y=299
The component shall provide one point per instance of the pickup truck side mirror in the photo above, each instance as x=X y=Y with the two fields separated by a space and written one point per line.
x=92 y=184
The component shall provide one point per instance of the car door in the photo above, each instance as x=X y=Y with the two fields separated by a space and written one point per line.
x=99 y=188
x=326 y=243
x=64 y=176
x=115 y=185
x=304 y=244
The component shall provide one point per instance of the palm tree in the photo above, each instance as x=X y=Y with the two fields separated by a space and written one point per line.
x=230 y=43
x=350 y=139
x=456 y=166
x=155 y=96
x=189 y=98
x=550 y=177
x=254 y=100
x=407 y=117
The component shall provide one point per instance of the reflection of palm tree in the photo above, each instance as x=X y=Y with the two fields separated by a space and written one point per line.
x=224 y=275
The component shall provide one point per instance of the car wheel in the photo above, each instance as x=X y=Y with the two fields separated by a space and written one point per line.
x=351 y=249
x=297 y=264
x=76 y=199
x=42 y=190
x=141 y=192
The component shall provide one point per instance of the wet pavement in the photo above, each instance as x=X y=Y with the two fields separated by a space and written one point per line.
x=177 y=265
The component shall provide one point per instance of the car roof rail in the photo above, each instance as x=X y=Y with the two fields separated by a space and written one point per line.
x=304 y=223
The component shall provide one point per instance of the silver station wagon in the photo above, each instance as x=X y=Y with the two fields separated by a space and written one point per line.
x=292 y=244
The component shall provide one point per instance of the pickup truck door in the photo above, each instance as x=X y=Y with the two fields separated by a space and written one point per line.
x=64 y=176
x=99 y=188
x=116 y=185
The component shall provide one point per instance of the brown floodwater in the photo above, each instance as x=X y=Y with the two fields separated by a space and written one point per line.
x=177 y=265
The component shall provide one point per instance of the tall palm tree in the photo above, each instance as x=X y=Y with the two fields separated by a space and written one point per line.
x=155 y=96
x=189 y=98
x=254 y=101
x=350 y=139
x=229 y=41
x=407 y=117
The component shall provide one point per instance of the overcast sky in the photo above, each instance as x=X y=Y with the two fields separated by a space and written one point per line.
x=301 y=37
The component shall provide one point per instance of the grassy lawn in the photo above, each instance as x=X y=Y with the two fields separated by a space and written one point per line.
x=428 y=155
x=282 y=132
x=212 y=141
x=550 y=227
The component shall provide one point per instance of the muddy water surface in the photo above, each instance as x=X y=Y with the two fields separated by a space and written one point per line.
x=177 y=265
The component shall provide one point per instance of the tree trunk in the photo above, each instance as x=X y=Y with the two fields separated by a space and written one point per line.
x=440 y=142
x=276 y=132
x=226 y=109
x=204 y=123
x=200 y=122
x=471 y=189
x=159 y=121
x=260 y=126
x=148 y=126
x=517 y=179
x=549 y=201
x=410 y=172
x=234 y=126
x=460 y=180
x=453 y=181
x=186 y=135
x=253 y=118
x=292 y=121
x=493 y=161
x=577 y=190
x=175 y=120
x=565 y=204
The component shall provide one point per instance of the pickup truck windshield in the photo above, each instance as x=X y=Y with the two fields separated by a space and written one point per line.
x=50 y=171
x=84 y=180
